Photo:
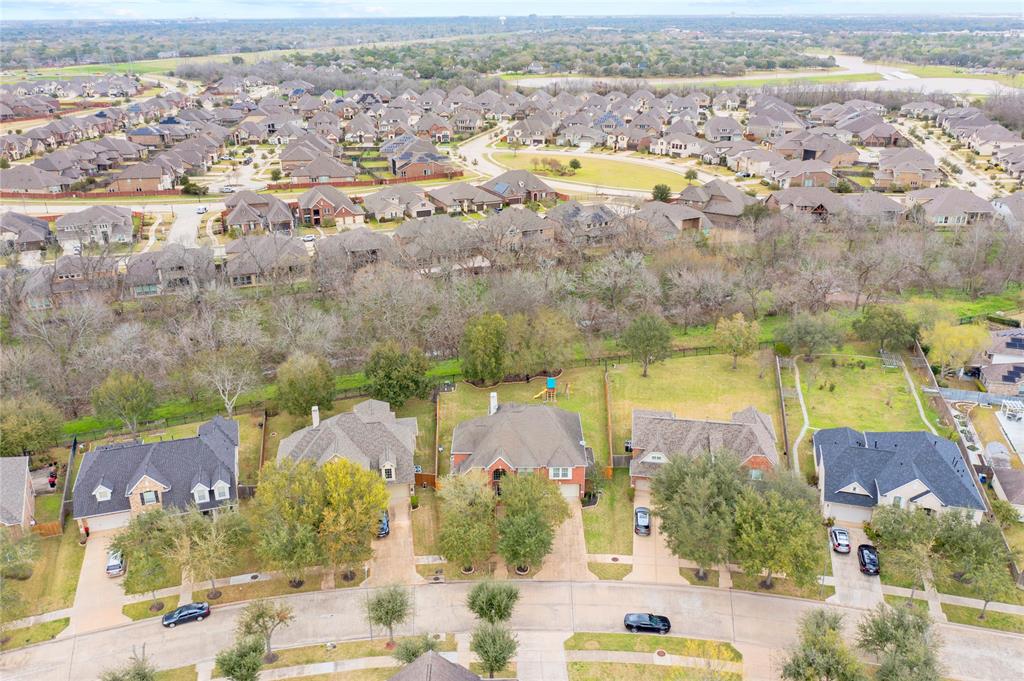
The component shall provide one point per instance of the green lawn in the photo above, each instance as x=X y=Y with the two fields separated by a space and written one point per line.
x=609 y=570
x=508 y=672
x=608 y=526
x=141 y=611
x=944 y=71
x=349 y=650
x=265 y=588
x=187 y=673
x=690 y=575
x=602 y=671
x=598 y=171
x=48 y=508
x=898 y=601
x=641 y=643
x=961 y=614
x=781 y=587
x=54 y=574
x=37 y=633
x=425 y=523
x=452 y=573
x=945 y=583
x=424 y=413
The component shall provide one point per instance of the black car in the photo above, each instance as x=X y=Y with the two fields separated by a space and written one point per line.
x=193 y=612
x=642 y=521
x=384 y=528
x=645 y=621
x=867 y=556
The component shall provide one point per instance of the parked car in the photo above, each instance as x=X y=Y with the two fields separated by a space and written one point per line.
x=867 y=556
x=192 y=612
x=840 y=539
x=227 y=190
x=309 y=238
x=115 y=564
x=740 y=176
x=642 y=521
x=645 y=621
x=202 y=209
x=384 y=528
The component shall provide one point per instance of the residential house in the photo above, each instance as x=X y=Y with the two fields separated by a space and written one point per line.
x=353 y=248
x=720 y=201
x=172 y=268
x=265 y=259
x=802 y=174
x=666 y=221
x=20 y=232
x=17 y=498
x=585 y=225
x=518 y=186
x=515 y=438
x=989 y=139
x=370 y=436
x=1008 y=484
x=1000 y=368
x=143 y=178
x=722 y=129
x=659 y=436
x=324 y=169
x=398 y=201
x=909 y=168
x=874 y=206
x=463 y=198
x=861 y=471
x=947 y=206
x=248 y=211
x=817 y=202
x=100 y=224
x=28 y=179
x=432 y=666
x=320 y=203
x=1010 y=208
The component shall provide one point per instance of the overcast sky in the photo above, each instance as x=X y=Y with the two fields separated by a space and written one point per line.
x=257 y=9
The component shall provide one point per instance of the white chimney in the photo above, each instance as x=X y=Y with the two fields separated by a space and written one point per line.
x=316 y=416
x=494 y=404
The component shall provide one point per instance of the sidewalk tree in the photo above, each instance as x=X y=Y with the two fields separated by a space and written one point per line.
x=737 y=336
x=355 y=500
x=661 y=192
x=230 y=372
x=261 y=619
x=493 y=601
x=647 y=340
x=205 y=548
x=524 y=539
x=286 y=516
x=243 y=660
x=965 y=545
x=389 y=607
x=886 y=326
x=906 y=536
x=138 y=668
x=810 y=334
x=466 y=537
x=820 y=653
x=409 y=649
x=691 y=175
x=304 y=381
x=395 y=376
x=145 y=544
x=29 y=424
x=777 y=533
x=991 y=581
x=903 y=642
x=495 y=646
x=124 y=396
x=483 y=350
x=696 y=501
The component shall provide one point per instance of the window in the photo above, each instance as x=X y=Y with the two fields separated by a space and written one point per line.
x=149 y=497
x=897 y=502
x=102 y=494
x=756 y=474
x=388 y=472
x=201 y=495
x=560 y=473
x=221 y=491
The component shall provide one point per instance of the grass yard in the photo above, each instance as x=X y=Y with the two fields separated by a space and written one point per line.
x=598 y=171
x=602 y=671
x=608 y=526
x=141 y=611
x=54 y=574
x=781 y=587
x=703 y=387
x=902 y=601
x=425 y=523
x=47 y=508
x=988 y=428
x=509 y=672
x=944 y=582
x=375 y=674
x=897 y=575
x=641 y=643
x=1015 y=537
x=423 y=411
x=609 y=570
x=452 y=573
x=961 y=614
x=186 y=673
x=690 y=575
x=349 y=650
x=265 y=588
x=37 y=633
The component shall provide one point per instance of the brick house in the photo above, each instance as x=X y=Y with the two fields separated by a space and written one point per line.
x=327 y=202
x=143 y=178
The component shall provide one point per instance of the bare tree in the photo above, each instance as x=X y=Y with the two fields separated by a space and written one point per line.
x=230 y=373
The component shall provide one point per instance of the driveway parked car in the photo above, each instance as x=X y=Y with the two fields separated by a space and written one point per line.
x=642 y=521
x=309 y=238
x=201 y=209
x=115 y=564
x=192 y=612
x=867 y=556
x=384 y=529
x=840 y=539
x=645 y=621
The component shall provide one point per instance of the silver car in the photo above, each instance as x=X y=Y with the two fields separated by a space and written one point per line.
x=115 y=564
x=840 y=539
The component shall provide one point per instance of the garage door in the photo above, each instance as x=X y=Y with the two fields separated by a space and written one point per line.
x=108 y=522
x=844 y=513
x=642 y=484
x=570 y=491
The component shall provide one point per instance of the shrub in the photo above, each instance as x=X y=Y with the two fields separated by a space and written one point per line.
x=414 y=501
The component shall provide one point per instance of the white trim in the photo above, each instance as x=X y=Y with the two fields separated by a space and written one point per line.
x=556 y=473
x=221 y=486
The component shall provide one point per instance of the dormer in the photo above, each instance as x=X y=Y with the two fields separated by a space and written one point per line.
x=101 y=493
x=654 y=457
x=854 y=488
x=221 y=490
x=387 y=471
x=200 y=493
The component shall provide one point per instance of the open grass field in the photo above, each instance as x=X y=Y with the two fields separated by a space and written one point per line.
x=599 y=171
x=944 y=71
x=54 y=574
x=602 y=671
x=760 y=82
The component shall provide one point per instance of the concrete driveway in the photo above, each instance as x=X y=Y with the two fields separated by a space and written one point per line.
x=854 y=589
x=99 y=598
x=568 y=558
x=652 y=559
x=393 y=560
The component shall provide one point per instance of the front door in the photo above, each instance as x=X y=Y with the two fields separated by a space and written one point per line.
x=496 y=477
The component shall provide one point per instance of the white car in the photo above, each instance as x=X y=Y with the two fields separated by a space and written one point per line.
x=309 y=238
x=202 y=209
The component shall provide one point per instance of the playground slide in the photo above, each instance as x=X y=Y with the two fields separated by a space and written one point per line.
x=540 y=394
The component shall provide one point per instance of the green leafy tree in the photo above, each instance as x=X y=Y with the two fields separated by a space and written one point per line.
x=696 y=501
x=28 y=424
x=260 y=619
x=495 y=646
x=661 y=192
x=992 y=582
x=286 y=517
x=145 y=543
x=1005 y=513
x=466 y=537
x=409 y=649
x=275 y=174
x=966 y=545
x=543 y=342
x=525 y=493
x=902 y=640
x=124 y=396
x=886 y=326
x=907 y=537
x=483 y=351
x=524 y=539
x=138 y=668
x=205 y=547
x=395 y=376
x=951 y=345
x=820 y=653
x=355 y=499
x=389 y=607
x=575 y=164
x=777 y=533
x=810 y=334
x=304 y=381
x=242 y=661
x=737 y=336
x=691 y=175
x=493 y=601
x=647 y=340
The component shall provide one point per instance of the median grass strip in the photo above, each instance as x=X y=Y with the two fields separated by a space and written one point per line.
x=781 y=587
x=37 y=633
x=377 y=674
x=902 y=601
x=640 y=643
x=187 y=673
x=509 y=672
x=265 y=588
x=690 y=575
x=602 y=671
x=349 y=650
x=141 y=611
x=1003 y=621
x=609 y=570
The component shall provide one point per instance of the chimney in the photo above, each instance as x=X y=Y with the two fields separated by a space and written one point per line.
x=494 y=404
x=316 y=416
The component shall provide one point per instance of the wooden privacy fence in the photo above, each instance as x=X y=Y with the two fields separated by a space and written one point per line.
x=48 y=529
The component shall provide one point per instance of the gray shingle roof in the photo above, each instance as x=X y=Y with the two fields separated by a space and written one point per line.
x=525 y=436
x=432 y=666
x=13 y=470
x=882 y=462
x=176 y=464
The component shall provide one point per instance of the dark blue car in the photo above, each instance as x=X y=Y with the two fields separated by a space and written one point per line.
x=193 y=612
x=384 y=528
x=645 y=621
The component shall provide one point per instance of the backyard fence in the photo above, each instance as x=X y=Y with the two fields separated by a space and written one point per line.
x=782 y=409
